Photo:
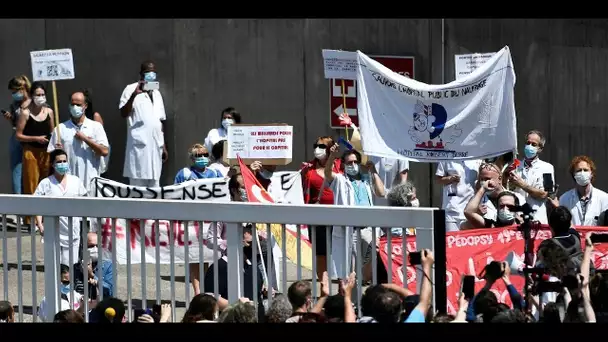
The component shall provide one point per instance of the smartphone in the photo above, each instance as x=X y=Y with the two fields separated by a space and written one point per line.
x=148 y=86
x=548 y=183
x=599 y=238
x=156 y=309
x=468 y=286
x=345 y=143
x=416 y=258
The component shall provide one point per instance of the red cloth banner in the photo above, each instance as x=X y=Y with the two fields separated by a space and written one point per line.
x=468 y=252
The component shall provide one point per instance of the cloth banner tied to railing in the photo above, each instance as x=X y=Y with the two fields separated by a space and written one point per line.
x=468 y=252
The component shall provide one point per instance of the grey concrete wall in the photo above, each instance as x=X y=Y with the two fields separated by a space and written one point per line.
x=271 y=71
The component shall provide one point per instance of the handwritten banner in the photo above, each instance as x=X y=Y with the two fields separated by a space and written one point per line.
x=213 y=189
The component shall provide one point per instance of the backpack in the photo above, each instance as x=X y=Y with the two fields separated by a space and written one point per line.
x=575 y=257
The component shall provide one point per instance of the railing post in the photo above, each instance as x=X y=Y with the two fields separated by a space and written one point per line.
x=234 y=242
x=440 y=290
x=51 y=268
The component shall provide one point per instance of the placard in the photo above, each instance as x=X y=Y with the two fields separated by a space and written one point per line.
x=340 y=64
x=270 y=143
x=466 y=64
x=52 y=65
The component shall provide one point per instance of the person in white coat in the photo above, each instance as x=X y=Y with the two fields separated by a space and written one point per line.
x=229 y=116
x=143 y=107
x=585 y=202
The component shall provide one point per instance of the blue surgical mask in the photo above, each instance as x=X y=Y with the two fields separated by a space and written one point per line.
x=65 y=289
x=150 y=76
x=61 y=168
x=18 y=96
x=530 y=151
x=76 y=111
x=201 y=162
x=351 y=170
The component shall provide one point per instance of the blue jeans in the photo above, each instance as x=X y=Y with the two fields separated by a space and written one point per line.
x=16 y=158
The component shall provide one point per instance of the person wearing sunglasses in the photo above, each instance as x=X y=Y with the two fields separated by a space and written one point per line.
x=316 y=191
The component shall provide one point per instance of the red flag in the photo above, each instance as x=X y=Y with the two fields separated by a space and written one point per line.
x=255 y=190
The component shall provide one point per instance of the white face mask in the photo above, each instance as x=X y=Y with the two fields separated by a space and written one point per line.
x=582 y=178
x=39 y=100
x=352 y=170
x=415 y=203
x=505 y=216
x=227 y=123
x=320 y=153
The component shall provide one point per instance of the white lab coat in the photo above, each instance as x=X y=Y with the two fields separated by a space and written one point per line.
x=598 y=203
x=214 y=136
x=145 y=140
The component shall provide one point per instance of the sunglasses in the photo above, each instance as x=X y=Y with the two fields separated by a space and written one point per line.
x=323 y=146
x=198 y=155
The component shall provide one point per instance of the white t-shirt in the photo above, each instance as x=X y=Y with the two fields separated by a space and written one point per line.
x=219 y=167
x=598 y=203
x=143 y=154
x=388 y=169
x=214 y=136
x=465 y=189
x=73 y=188
x=533 y=176
x=83 y=161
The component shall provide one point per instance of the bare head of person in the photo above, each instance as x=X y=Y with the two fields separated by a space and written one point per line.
x=490 y=178
x=78 y=105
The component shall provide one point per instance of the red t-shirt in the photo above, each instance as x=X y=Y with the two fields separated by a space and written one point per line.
x=313 y=183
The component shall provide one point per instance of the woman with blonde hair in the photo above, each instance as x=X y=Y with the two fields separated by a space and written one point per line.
x=19 y=87
x=34 y=127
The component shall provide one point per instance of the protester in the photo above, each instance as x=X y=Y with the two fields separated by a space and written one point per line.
x=263 y=173
x=218 y=164
x=241 y=312
x=392 y=172
x=19 y=87
x=68 y=316
x=528 y=177
x=458 y=181
x=95 y=116
x=202 y=309
x=353 y=189
x=7 y=313
x=313 y=182
x=95 y=271
x=145 y=113
x=84 y=140
x=585 y=202
x=198 y=169
x=34 y=127
x=109 y=310
x=300 y=297
x=229 y=116
x=280 y=309
x=62 y=184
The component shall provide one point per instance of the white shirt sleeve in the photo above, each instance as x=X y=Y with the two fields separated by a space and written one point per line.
x=41 y=189
x=126 y=94
x=158 y=99
x=440 y=169
x=100 y=135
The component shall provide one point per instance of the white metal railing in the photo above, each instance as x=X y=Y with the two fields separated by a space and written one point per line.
x=232 y=214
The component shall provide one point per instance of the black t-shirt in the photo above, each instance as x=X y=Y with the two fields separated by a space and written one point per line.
x=567 y=241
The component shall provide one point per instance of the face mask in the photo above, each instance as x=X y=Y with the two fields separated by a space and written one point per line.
x=150 y=76
x=415 y=203
x=352 y=170
x=320 y=153
x=61 y=168
x=505 y=216
x=243 y=193
x=266 y=174
x=582 y=178
x=18 y=96
x=65 y=289
x=39 y=100
x=201 y=162
x=530 y=151
x=76 y=111
x=227 y=123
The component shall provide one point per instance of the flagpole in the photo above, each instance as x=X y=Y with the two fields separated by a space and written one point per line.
x=344 y=105
x=442 y=51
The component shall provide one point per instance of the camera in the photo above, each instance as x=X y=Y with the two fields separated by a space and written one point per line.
x=416 y=258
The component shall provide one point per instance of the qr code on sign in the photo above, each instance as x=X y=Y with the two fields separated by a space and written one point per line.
x=52 y=71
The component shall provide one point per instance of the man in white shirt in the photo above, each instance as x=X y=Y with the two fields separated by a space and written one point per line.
x=145 y=112
x=458 y=180
x=528 y=177
x=62 y=184
x=392 y=172
x=84 y=140
x=585 y=202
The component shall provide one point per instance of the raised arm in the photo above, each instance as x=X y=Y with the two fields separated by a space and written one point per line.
x=334 y=152
x=471 y=211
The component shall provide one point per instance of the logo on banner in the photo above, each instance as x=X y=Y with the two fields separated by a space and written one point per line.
x=429 y=128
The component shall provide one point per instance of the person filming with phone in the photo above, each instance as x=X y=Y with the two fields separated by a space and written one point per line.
x=142 y=105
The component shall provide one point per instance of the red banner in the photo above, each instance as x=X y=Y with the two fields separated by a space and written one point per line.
x=468 y=252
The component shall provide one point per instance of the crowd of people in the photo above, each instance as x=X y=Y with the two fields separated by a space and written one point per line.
x=61 y=159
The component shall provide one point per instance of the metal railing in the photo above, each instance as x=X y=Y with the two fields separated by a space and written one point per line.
x=429 y=223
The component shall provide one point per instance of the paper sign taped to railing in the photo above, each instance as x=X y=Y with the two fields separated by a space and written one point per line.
x=212 y=189
x=52 y=65
x=340 y=64
x=260 y=142
x=466 y=64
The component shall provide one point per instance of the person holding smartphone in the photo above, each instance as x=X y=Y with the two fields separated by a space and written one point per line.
x=142 y=105
x=458 y=180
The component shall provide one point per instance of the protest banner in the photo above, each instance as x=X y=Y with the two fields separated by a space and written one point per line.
x=465 y=64
x=271 y=144
x=468 y=252
x=471 y=118
x=53 y=65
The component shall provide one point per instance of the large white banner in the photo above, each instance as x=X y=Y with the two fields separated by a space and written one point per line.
x=470 y=118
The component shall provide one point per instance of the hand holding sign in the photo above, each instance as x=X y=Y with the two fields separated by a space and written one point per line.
x=345 y=119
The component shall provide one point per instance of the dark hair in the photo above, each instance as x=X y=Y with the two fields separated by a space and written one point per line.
x=349 y=152
x=313 y=317
x=6 y=310
x=486 y=304
x=599 y=291
x=443 y=318
x=298 y=293
x=369 y=297
x=551 y=314
x=36 y=85
x=334 y=308
x=554 y=259
x=101 y=313
x=64 y=268
x=68 y=316
x=233 y=184
x=387 y=307
x=507 y=193
x=89 y=102
x=236 y=116
x=217 y=151
x=509 y=316
x=560 y=220
x=201 y=307
x=53 y=156
x=146 y=65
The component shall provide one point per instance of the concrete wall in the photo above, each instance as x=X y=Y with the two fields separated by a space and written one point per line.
x=271 y=71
